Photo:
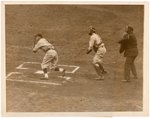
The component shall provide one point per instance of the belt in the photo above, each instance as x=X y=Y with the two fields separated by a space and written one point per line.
x=99 y=44
x=49 y=49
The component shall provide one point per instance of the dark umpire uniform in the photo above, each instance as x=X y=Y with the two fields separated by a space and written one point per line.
x=128 y=45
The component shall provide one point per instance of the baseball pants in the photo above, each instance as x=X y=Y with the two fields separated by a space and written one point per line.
x=50 y=60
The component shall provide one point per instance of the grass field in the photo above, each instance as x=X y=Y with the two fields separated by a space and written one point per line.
x=66 y=27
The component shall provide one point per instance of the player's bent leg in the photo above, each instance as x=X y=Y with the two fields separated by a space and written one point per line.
x=45 y=70
x=54 y=64
x=46 y=63
x=102 y=69
x=98 y=71
x=45 y=73
x=97 y=60
x=100 y=62
x=96 y=67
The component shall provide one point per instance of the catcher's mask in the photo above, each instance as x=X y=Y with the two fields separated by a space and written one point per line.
x=92 y=30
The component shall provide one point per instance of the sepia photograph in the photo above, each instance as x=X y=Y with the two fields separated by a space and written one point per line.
x=74 y=58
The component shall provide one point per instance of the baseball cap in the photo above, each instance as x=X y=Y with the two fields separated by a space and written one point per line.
x=40 y=35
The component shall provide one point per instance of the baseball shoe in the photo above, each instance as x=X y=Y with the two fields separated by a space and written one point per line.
x=100 y=78
x=104 y=72
x=45 y=77
x=124 y=80
x=63 y=72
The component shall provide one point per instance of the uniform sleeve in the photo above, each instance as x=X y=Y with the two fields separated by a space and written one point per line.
x=91 y=43
x=37 y=46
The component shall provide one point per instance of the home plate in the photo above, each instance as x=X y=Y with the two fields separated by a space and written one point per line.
x=66 y=78
x=39 y=72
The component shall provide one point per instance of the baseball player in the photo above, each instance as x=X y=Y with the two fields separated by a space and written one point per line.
x=50 y=59
x=98 y=46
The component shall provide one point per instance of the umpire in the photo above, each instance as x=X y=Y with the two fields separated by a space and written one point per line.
x=128 y=46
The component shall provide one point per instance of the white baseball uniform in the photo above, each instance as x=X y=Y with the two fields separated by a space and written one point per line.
x=96 y=41
x=51 y=57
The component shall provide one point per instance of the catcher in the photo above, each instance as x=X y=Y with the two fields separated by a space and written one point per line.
x=98 y=46
x=50 y=59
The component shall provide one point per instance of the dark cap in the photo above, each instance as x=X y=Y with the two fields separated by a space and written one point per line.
x=39 y=35
x=92 y=29
x=130 y=28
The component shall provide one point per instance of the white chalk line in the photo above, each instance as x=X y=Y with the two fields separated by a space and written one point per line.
x=38 y=72
x=77 y=67
x=34 y=82
x=41 y=72
x=21 y=66
x=12 y=74
x=66 y=78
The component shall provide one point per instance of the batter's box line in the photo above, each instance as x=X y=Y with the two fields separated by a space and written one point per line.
x=21 y=65
x=23 y=68
x=25 y=81
x=34 y=82
x=17 y=73
x=65 y=77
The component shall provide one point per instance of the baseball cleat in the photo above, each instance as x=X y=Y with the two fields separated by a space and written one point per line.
x=104 y=72
x=63 y=72
x=124 y=80
x=45 y=77
x=100 y=78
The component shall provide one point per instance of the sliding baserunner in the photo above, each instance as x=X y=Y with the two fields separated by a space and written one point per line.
x=98 y=46
x=50 y=59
